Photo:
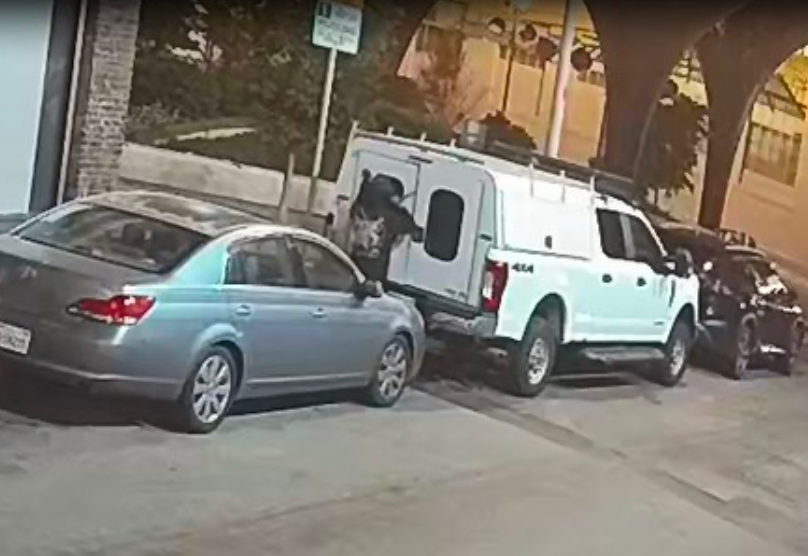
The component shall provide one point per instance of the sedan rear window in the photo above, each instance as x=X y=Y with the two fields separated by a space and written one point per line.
x=115 y=236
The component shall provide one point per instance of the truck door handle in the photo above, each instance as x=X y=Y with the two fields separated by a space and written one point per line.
x=607 y=279
x=243 y=311
x=318 y=313
x=641 y=282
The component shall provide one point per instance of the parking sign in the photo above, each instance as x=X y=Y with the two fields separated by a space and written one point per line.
x=338 y=25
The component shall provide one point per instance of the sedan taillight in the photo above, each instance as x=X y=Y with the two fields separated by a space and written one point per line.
x=121 y=310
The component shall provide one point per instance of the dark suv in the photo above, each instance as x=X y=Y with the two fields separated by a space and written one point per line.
x=748 y=313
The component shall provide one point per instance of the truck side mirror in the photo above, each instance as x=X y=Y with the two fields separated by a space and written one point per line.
x=680 y=263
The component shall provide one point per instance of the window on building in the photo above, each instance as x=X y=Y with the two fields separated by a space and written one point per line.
x=612 y=240
x=773 y=154
x=444 y=225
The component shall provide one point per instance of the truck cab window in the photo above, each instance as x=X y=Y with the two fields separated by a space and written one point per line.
x=612 y=240
x=644 y=247
x=444 y=225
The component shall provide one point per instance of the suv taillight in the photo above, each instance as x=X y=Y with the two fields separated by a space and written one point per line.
x=494 y=283
x=121 y=310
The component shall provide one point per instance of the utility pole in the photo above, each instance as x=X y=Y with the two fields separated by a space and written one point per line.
x=562 y=78
x=506 y=95
x=517 y=7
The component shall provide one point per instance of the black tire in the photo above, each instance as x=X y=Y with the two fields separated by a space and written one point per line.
x=672 y=369
x=391 y=375
x=533 y=360
x=190 y=418
x=784 y=364
x=737 y=364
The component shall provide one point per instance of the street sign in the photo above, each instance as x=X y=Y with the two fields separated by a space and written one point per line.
x=338 y=25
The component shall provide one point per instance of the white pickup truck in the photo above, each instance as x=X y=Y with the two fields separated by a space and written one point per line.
x=532 y=256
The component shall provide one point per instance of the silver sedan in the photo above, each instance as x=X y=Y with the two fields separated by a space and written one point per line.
x=175 y=299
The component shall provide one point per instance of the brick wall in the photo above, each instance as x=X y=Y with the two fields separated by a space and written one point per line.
x=108 y=56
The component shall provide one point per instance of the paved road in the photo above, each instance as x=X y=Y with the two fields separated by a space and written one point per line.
x=602 y=464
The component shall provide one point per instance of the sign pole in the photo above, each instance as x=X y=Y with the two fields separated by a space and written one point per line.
x=325 y=110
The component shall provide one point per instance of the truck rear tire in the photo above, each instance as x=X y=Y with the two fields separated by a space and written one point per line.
x=672 y=369
x=533 y=360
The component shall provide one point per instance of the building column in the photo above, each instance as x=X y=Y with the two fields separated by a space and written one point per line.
x=102 y=103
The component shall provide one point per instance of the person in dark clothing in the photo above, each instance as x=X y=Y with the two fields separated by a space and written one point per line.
x=378 y=224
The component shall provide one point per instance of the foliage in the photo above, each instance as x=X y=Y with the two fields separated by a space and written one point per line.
x=795 y=74
x=253 y=59
x=449 y=90
x=498 y=128
x=670 y=154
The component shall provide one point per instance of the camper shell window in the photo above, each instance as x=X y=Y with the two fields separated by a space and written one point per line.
x=444 y=225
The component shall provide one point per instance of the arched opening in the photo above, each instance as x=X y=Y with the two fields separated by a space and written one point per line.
x=768 y=185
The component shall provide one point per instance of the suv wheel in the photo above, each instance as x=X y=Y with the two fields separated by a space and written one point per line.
x=738 y=365
x=785 y=363
x=533 y=360
x=673 y=367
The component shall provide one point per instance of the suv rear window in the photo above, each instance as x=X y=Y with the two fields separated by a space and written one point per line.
x=115 y=236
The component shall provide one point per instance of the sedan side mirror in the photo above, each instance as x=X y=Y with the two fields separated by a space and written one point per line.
x=367 y=289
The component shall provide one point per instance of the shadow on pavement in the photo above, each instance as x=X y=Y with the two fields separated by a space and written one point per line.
x=30 y=399
x=491 y=372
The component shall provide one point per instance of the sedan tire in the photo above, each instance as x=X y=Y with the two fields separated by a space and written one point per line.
x=392 y=374
x=209 y=392
x=737 y=365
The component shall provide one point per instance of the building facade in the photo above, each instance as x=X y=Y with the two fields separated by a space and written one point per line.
x=38 y=42
x=62 y=110
x=503 y=72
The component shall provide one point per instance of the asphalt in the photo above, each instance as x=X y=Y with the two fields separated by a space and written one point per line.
x=603 y=463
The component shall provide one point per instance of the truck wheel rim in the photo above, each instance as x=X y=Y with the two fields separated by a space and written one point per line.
x=213 y=386
x=678 y=357
x=538 y=362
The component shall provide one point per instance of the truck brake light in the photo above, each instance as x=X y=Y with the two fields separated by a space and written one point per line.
x=494 y=283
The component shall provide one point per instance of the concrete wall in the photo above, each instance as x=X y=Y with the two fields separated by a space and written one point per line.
x=253 y=188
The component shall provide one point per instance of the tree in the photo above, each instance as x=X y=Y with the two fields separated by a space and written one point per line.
x=450 y=91
x=677 y=128
x=253 y=60
x=499 y=129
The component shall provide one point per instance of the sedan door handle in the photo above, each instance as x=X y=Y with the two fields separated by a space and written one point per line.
x=318 y=313
x=243 y=311
x=607 y=279
x=641 y=282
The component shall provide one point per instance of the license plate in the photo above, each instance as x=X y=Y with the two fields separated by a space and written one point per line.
x=14 y=339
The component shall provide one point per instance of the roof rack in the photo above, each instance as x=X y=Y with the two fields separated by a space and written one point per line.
x=605 y=183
